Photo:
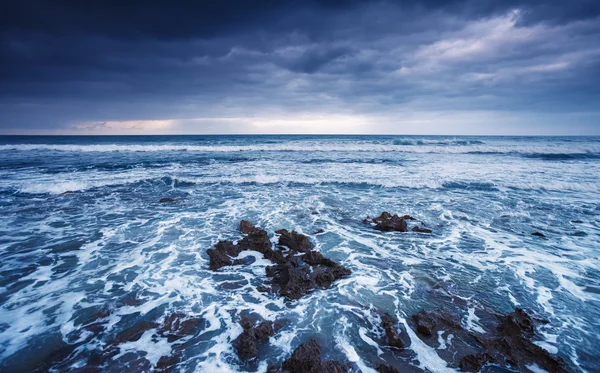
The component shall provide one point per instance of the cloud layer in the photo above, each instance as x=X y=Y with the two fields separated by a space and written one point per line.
x=451 y=67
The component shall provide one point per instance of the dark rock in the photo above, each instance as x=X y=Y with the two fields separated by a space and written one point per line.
x=246 y=226
x=389 y=325
x=507 y=342
x=474 y=363
x=66 y=192
x=166 y=200
x=247 y=343
x=165 y=364
x=429 y=322
x=421 y=229
x=319 y=231
x=220 y=255
x=307 y=359
x=383 y=368
x=296 y=277
x=178 y=325
x=538 y=234
x=386 y=222
x=294 y=240
x=407 y=217
x=135 y=332
x=258 y=240
x=579 y=234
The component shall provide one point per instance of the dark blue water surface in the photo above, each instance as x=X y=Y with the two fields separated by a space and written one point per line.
x=77 y=269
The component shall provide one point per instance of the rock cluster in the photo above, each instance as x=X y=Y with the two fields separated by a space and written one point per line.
x=247 y=343
x=294 y=272
x=307 y=359
x=387 y=222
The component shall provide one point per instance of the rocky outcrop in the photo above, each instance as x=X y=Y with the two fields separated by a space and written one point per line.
x=294 y=241
x=247 y=343
x=507 y=341
x=246 y=227
x=387 y=222
x=307 y=359
x=291 y=275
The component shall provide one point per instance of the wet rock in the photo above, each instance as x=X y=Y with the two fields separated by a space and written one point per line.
x=429 y=322
x=178 y=325
x=296 y=277
x=383 y=368
x=389 y=325
x=247 y=343
x=507 y=342
x=166 y=200
x=165 y=364
x=135 y=332
x=66 y=192
x=538 y=234
x=319 y=231
x=307 y=359
x=258 y=240
x=220 y=255
x=294 y=240
x=387 y=222
x=421 y=229
x=246 y=226
x=474 y=363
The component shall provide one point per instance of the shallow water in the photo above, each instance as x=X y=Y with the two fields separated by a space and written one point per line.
x=110 y=245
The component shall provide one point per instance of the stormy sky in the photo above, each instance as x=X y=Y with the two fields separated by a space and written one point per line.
x=276 y=66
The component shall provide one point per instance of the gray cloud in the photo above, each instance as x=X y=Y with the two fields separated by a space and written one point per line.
x=68 y=67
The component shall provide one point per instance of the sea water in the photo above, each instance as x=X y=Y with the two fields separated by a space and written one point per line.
x=81 y=231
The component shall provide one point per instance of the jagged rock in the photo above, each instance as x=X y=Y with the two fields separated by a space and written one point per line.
x=538 y=234
x=258 y=240
x=429 y=322
x=166 y=200
x=474 y=363
x=246 y=226
x=386 y=222
x=421 y=229
x=383 y=368
x=247 y=343
x=294 y=240
x=307 y=359
x=178 y=325
x=296 y=277
x=506 y=343
x=389 y=325
x=165 y=364
x=220 y=255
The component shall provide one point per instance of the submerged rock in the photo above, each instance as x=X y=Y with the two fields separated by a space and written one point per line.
x=538 y=234
x=178 y=325
x=430 y=322
x=247 y=343
x=307 y=359
x=319 y=231
x=507 y=341
x=294 y=241
x=391 y=333
x=383 y=368
x=421 y=229
x=166 y=200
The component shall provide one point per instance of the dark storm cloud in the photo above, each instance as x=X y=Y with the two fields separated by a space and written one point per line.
x=69 y=62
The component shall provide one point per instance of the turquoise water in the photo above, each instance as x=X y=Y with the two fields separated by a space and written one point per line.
x=108 y=246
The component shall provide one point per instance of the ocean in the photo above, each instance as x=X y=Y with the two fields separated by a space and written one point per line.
x=87 y=252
